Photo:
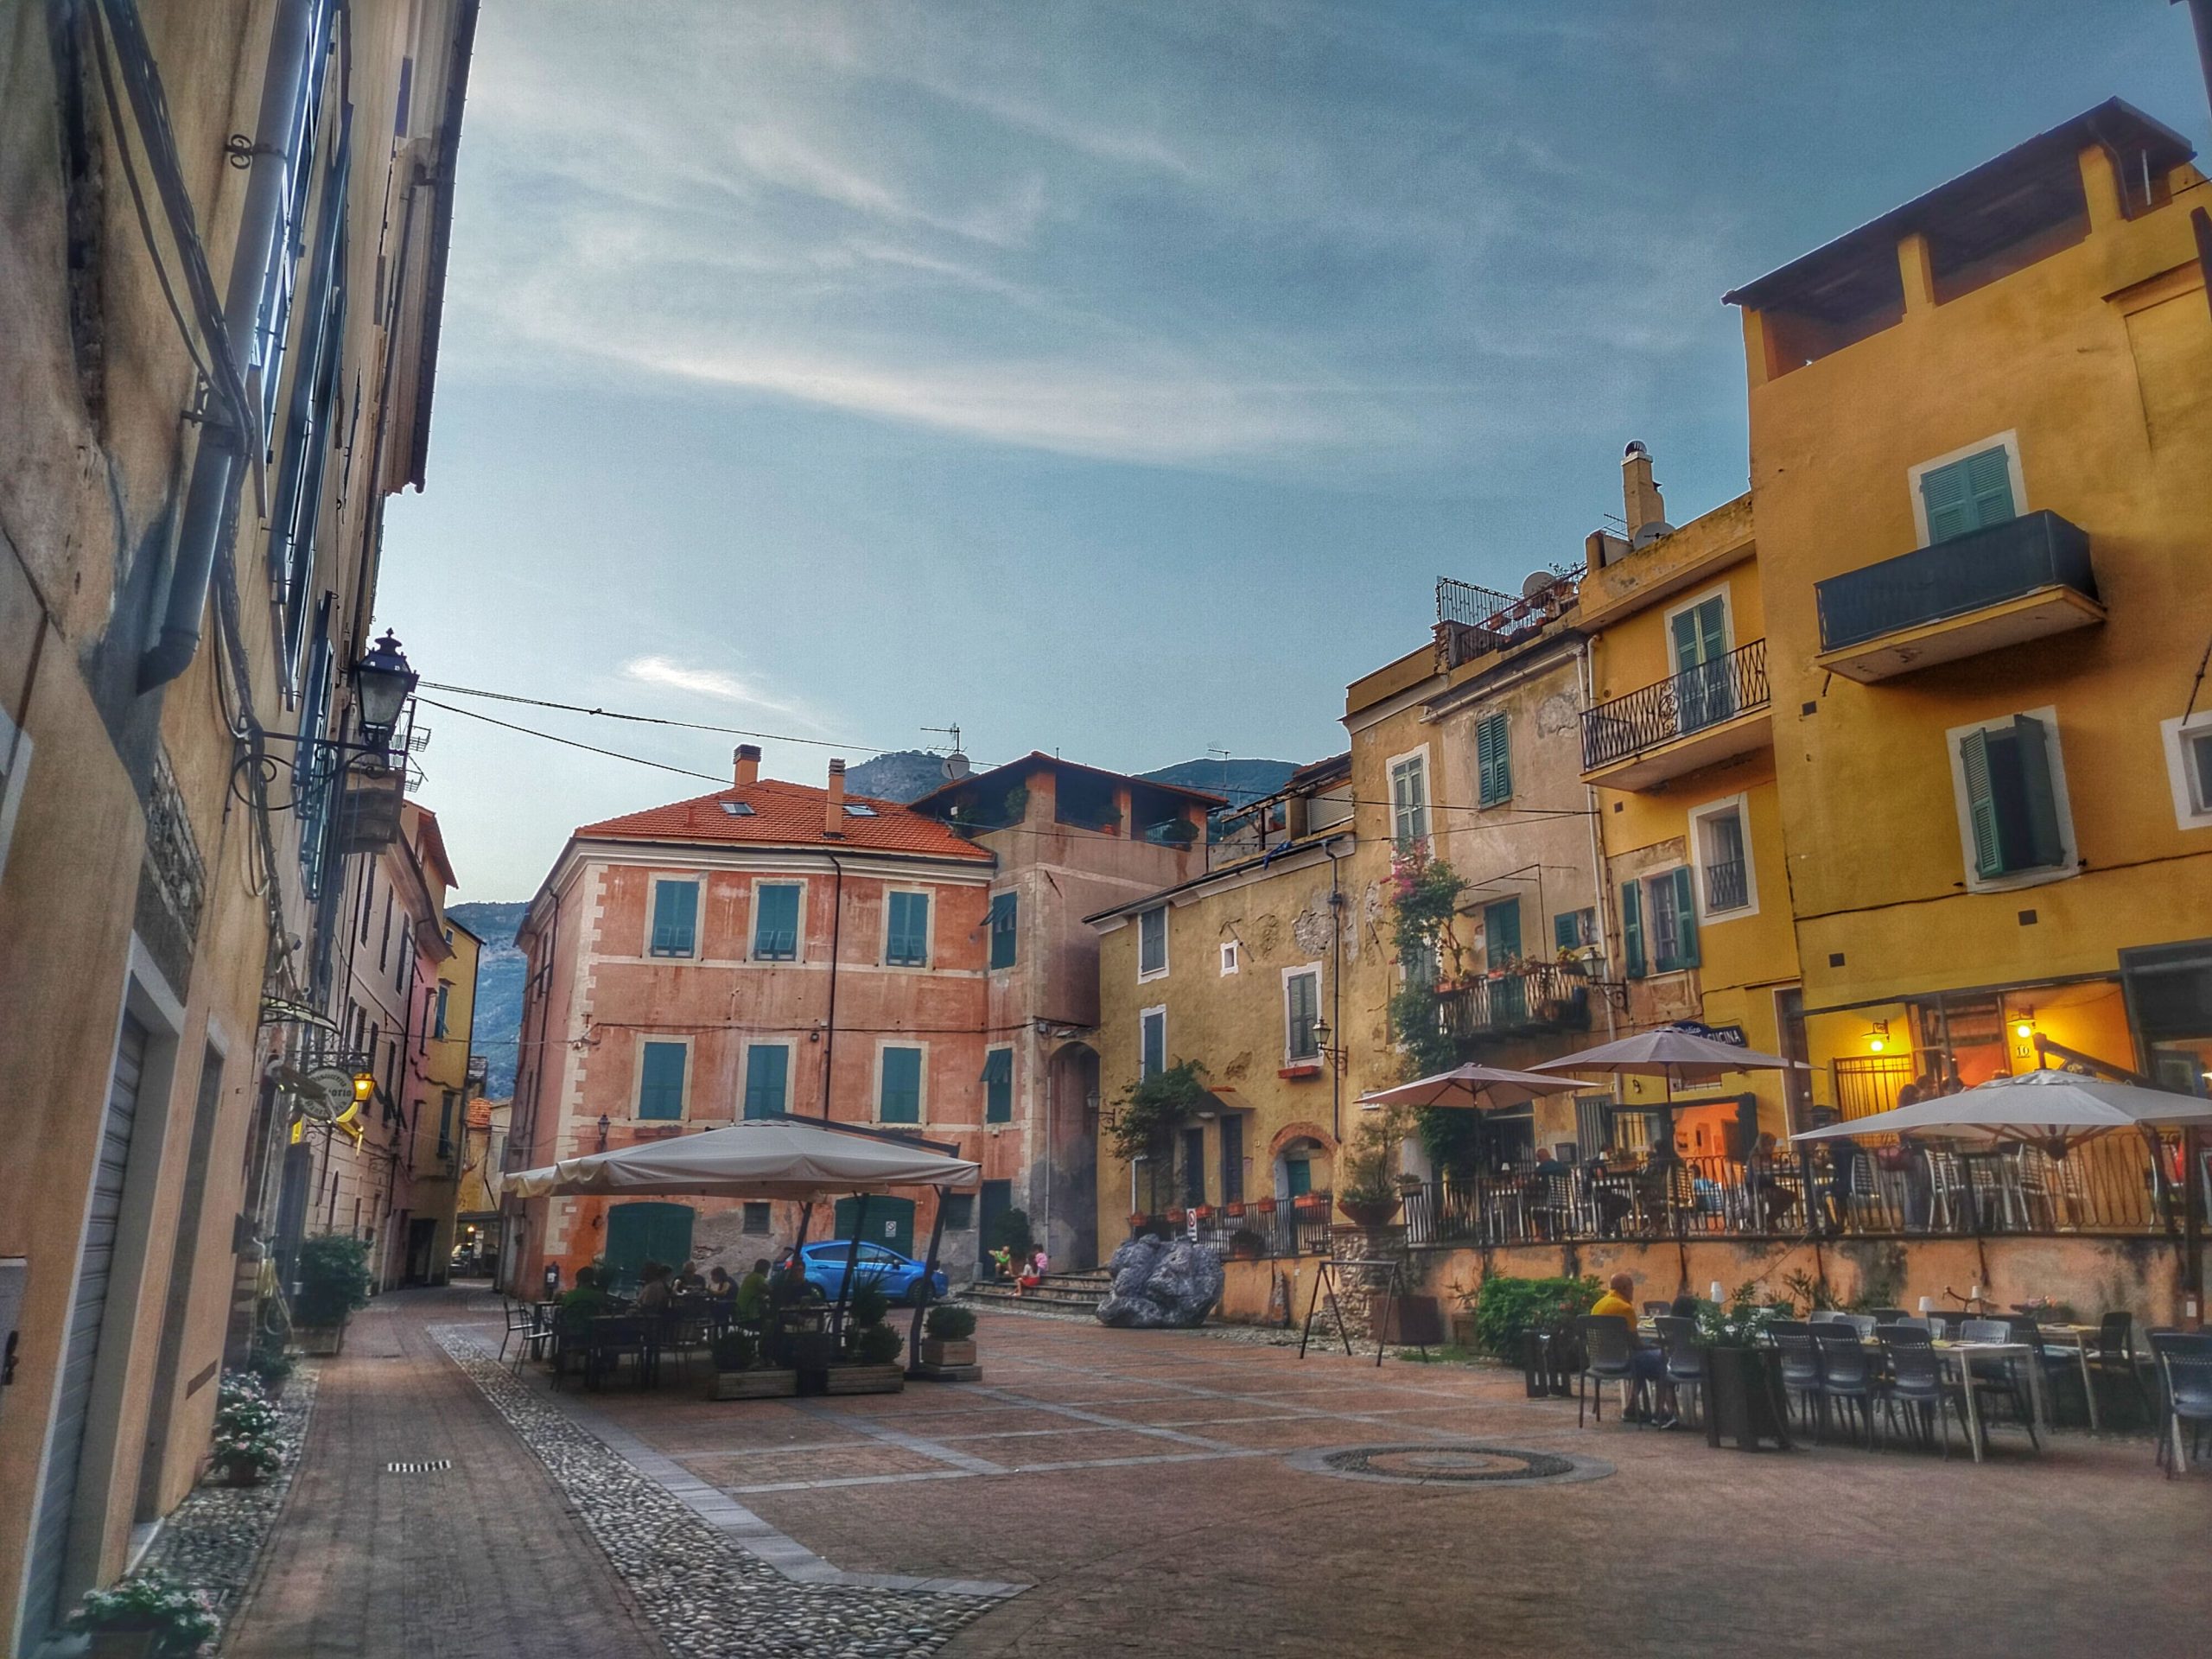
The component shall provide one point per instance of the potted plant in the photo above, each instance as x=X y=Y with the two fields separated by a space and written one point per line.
x=1235 y=1208
x=870 y=1365
x=1202 y=1214
x=270 y=1364
x=247 y=1459
x=1175 y=1217
x=334 y=1281
x=1266 y=1206
x=740 y=1375
x=146 y=1615
x=1743 y=1376
x=244 y=1448
x=1368 y=1195
x=1245 y=1245
x=948 y=1336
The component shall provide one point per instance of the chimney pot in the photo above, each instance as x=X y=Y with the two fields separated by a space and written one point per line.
x=748 y=763
x=1641 y=502
x=833 y=806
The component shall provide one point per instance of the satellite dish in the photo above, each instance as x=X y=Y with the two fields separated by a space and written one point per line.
x=1536 y=582
x=956 y=767
x=1647 y=534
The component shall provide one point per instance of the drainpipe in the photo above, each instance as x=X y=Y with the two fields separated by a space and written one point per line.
x=1586 y=678
x=1336 y=994
x=211 y=497
x=837 y=930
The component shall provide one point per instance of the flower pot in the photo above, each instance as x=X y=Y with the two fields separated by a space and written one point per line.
x=123 y=1642
x=941 y=1352
x=1236 y=1212
x=321 y=1341
x=1266 y=1206
x=753 y=1385
x=241 y=1472
x=1368 y=1213
x=865 y=1379
x=1743 y=1398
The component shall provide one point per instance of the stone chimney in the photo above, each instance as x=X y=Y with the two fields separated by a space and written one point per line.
x=748 y=764
x=1641 y=503
x=833 y=806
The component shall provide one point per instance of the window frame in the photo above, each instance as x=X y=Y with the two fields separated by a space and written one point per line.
x=1146 y=975
x=929 y=928
x=1145 y=1017
x=744 y=1078
x=1498 y=769
x=767 y=1214
x=660 y=1039
x=2069 y=862
x=1232 y=957
x=1291 y=1056
x=2008 y=441
x=1416 y=760
x=697 y=884
x=921 y=1051
x=753 y=920
x=1740 y=806
x=2192 y=793
x=16 y=749
x=1645 y=957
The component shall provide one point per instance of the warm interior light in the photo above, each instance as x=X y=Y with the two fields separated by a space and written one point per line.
x=1876 y=1045
x=364 y=1084
x=2024 y=1030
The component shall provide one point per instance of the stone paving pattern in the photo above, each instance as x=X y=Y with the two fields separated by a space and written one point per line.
x=1139 y=1483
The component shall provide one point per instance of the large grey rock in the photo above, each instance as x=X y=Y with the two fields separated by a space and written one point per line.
x=1160 y=1283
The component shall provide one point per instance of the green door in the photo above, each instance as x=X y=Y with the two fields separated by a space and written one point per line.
x=1509 y=998
x=638 y=1233
x=890 y=1222
x=1703 y=694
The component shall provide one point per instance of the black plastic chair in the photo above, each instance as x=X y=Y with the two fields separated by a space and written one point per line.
x=1847 y=1373
x=1688 y=1365
x=1801 y=1368
x=1608 y=1356
x=1904 y=1333
x=2185 y=1377
x=612 y=1339
x=1889 y=1315
x=522 y=1320
x=2114 y=1355
x=2000 y=1379
x=1917 y=1382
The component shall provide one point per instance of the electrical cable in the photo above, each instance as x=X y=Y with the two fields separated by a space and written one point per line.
x=646 y=720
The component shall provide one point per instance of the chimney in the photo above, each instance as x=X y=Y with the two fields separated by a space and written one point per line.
x=1641 y=503
x=833 y=807
x=748 y=764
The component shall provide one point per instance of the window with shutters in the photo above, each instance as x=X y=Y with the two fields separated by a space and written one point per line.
x=906 y=930
x=775 y=920
x=1575 y=930
x=1152 y=944
x=1659 y=923
x=1151 y=1042
x=676 y=918
x=1967 y=489
x=757 y=1218
x=998 y=1086
x=898 y=1094
x=1004 y=913
x=1719 y=838
x=1700 y=636
x=1409 y=801
x=661 y=1066
x=1301 y=1013
x=2013 y=824
x=767 y=1079
x=2189 y=768
x=1493 y=762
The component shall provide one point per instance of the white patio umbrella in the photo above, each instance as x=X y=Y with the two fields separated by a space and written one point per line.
x=769 y=1158
x=2054 y=1111
x=1477 y=1086
x=1674 y=1053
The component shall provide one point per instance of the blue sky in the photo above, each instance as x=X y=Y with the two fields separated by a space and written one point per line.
x=1116 y=379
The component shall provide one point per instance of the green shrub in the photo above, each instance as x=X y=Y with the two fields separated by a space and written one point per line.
x=950 y=1322
x=870 y=1304
x=180 y=1618
x=1506 y=1308
x=734 y=1350
x=876 y=1344
x=333 y=1278
x=269 y=1362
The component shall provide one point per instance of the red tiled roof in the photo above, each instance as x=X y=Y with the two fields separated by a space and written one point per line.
x=787 y=815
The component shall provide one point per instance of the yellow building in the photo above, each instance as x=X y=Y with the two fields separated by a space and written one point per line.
x=1677 y=743
x=1982 y=467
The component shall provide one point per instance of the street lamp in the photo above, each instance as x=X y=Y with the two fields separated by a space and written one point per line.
x=384 y=681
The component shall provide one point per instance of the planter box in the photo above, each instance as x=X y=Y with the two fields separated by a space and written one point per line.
x=1463 y=1331
x=865 y=1379
x=241 y=1474
x=753 y=1385
x=118 y=1641
x=936 y=1352
x=1744 y=1399
x=321 y=1341
x=1414 y=1322
x=1369 y=1213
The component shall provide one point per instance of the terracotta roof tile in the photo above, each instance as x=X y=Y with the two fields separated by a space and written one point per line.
x=787 y=815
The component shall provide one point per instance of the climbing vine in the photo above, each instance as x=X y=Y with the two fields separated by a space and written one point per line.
x=1149 y=1109
x=1424 y=902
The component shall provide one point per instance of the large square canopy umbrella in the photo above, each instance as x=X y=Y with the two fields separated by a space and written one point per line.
x=1675 y=1054
x=764 y=1158
x=1493 y=1087
x=2053 y=1111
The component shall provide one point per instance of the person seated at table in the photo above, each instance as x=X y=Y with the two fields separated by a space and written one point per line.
x=688 y=1282
x=753 y=1294
x=1610 y=1198
x=589 y=1299
x=721 y=1287
x=653 y=1290
x=1647 y=1362
x=1684 y=1306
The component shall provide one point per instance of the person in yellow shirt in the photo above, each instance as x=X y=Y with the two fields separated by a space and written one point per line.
x=1649 y=1362
x=1615 y=1303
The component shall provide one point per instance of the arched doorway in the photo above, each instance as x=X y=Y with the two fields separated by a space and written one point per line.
x=1070 y=1233
x=1302 y=1158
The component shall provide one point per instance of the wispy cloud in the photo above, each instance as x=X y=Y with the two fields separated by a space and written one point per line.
x=716 y=683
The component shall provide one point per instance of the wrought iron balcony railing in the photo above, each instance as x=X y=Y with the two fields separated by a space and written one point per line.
x=1954 y=577
x=1727 y=886
x=1546 y=996
x=1676 y=707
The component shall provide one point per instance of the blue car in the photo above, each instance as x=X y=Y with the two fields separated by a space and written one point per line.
x=897 y=1276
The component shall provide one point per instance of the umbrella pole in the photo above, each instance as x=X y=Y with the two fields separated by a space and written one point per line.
x=2192 y=1261
x=921 y=1291
x=852 y=1260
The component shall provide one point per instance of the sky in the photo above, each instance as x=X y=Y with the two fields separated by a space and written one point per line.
x=1111 y=379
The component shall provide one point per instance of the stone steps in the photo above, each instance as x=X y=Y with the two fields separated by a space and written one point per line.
x=1073 y=1292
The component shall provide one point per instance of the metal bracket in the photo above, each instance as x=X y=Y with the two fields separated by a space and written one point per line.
x=239 y=150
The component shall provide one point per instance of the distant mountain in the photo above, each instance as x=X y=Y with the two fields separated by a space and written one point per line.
x=1240 y=780
x=498 y=990
x=901 y=775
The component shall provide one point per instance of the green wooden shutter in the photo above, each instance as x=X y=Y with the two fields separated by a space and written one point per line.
x=1989 y=486
x=906 y=930
x=676 y=914
x=2037 y=845
x=1152 y=1045
x=1567 y=931
x=767 y=1071
x=1502 y=932
x=998 y=1086
x=1981 y=805
x=1493 y=761
x=775 y=922
x=1633 y=928
x=1943 y=493
x=1002 y=930
x=1686 y=954
x=660 y=1081
x=901 y=1099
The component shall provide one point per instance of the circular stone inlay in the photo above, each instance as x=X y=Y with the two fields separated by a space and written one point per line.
x=1431 y=1463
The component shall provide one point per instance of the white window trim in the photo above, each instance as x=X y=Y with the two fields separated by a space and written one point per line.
x=1427 y=837
x=745 y=1070
x=1304 y=970
x=1166 y=956
x=2174 y=732
x=637 y=1077
x=2068 y=865
x=1232 y=958
x=2009 y=441
x=17 y=744
x=929 y=929
x=921 y=1082
x=1012 y=1090
x=1720 y=591
x=698 y=884
x=1143 y=1015
x=798 y=941
x=1741 y=806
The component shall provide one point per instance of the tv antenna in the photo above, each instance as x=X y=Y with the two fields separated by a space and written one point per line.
x=1221 y=754
x=955 y=765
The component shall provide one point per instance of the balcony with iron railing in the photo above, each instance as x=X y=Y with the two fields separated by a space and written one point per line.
x=1542 y=997
x=1696 y=718
x=2024 y=579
